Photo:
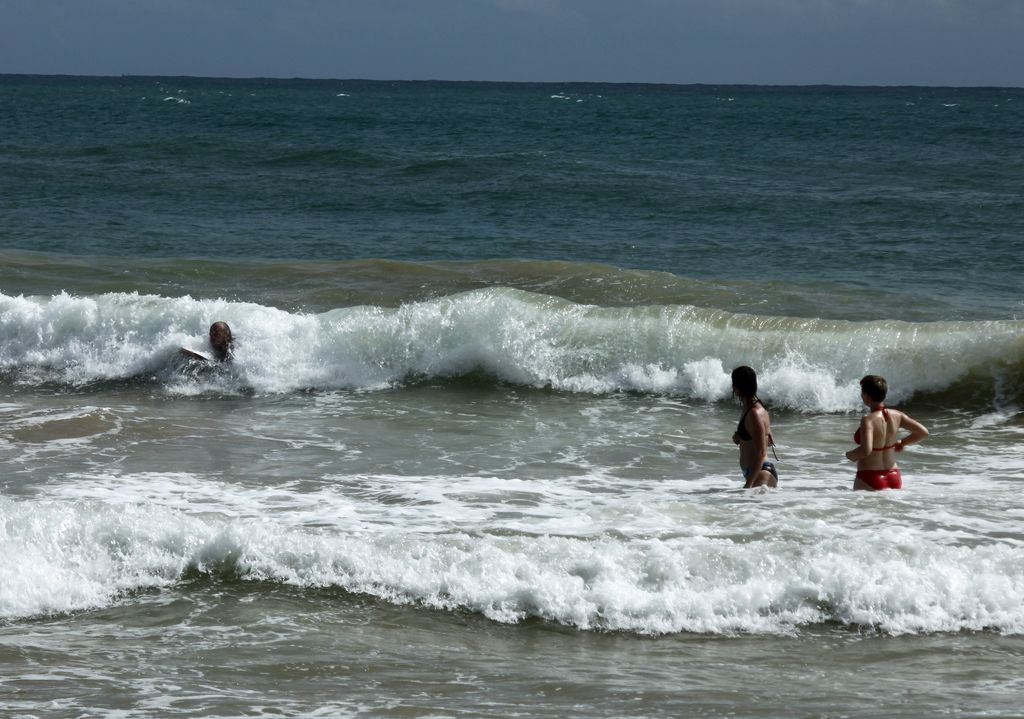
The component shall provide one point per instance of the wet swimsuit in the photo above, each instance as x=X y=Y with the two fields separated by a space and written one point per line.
x=747 y=471
x=741 y=427
x=881 y=478
x=885 y=416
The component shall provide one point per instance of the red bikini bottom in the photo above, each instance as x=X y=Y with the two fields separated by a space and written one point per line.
x=881 y=478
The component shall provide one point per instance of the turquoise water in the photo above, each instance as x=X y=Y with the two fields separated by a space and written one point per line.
x=472 y=457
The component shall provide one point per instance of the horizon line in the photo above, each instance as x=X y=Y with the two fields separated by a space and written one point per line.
x=297 y=78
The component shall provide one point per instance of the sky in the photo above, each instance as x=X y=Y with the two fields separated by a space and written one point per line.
x=783 y=42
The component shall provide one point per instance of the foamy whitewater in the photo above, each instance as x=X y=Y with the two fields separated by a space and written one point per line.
x=512 y=336
x=636 y=546
x=473 y=457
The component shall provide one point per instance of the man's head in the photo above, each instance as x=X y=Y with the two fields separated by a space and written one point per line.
x=220 y=339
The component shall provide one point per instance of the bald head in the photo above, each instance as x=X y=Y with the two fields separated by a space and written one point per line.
x=220 y=340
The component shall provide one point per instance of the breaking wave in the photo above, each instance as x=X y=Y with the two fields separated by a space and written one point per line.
x=510 y=336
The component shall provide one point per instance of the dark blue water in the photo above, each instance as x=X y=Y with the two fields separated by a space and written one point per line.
x=915 y=190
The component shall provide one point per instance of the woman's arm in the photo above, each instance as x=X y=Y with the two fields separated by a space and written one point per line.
x=867 y=439
x=917 y=431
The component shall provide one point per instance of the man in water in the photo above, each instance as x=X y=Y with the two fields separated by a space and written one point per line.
x=220 y=341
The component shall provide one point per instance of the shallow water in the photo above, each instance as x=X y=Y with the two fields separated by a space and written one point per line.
x=216 y=648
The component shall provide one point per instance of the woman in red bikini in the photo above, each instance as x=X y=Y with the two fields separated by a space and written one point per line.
x=876 y=455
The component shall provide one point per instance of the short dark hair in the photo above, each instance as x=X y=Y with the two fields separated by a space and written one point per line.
x=875 y=387
x=744 y=380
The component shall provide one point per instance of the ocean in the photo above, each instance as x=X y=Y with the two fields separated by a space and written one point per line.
x=472 y=457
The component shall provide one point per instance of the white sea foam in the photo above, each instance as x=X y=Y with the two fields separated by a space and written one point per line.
x=518 y=337
x=681 y=566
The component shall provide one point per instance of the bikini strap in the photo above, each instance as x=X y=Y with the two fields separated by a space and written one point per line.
x=747 y=410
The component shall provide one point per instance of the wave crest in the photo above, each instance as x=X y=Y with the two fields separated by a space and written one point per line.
x=70 y=555
x=511 y=336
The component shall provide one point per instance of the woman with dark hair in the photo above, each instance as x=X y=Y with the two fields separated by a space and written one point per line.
x=876 y=455
x=753 y=433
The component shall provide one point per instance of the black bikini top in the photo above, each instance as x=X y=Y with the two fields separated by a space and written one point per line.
x=741 y=428
x=744 y=435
